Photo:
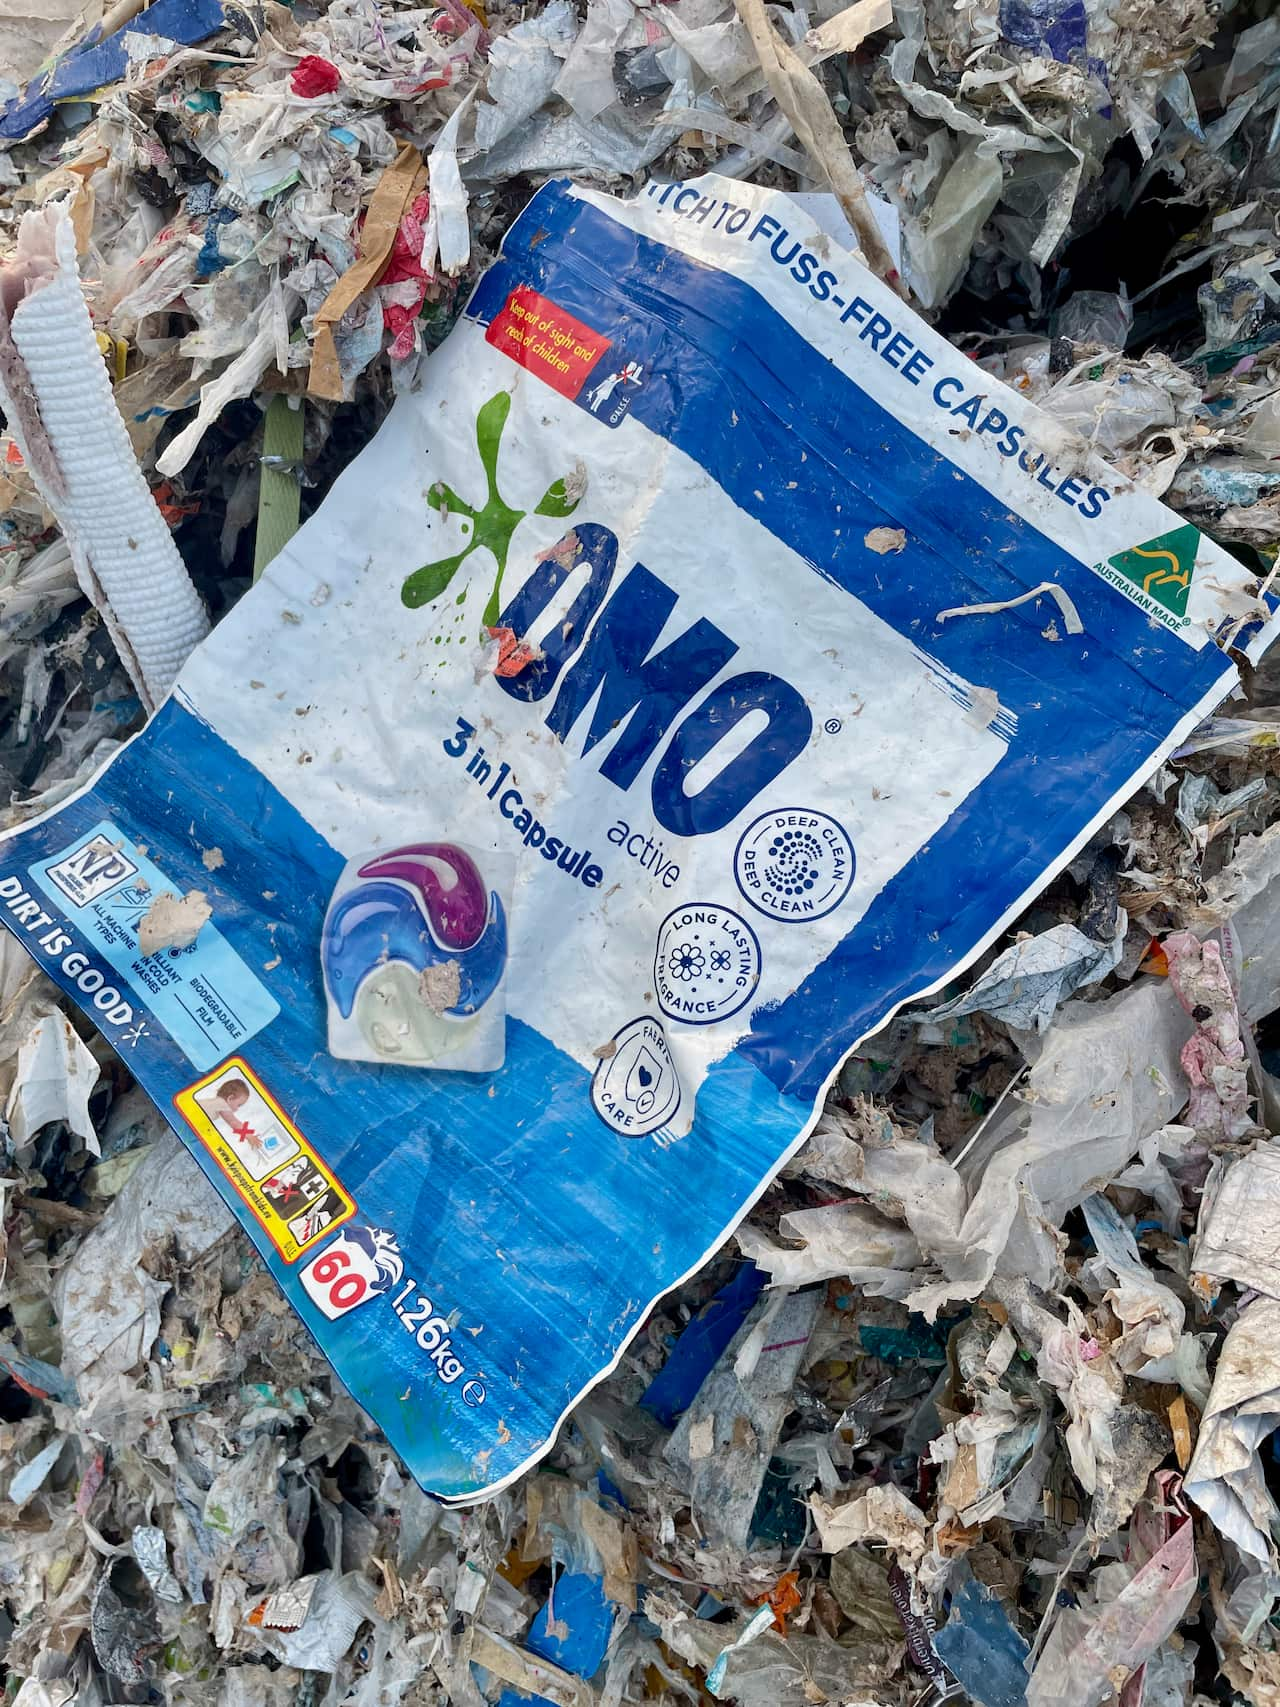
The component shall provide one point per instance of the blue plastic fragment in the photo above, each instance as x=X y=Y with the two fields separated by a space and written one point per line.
x=210 y=260
x=1059 y=28
x=610 y=1490
x=572 y=1630
x=92 y=63
x=581 y=1609
x=981 y=1649
x=674 y=1387
x=42 y=1379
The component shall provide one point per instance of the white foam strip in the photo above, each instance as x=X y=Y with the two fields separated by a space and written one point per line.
x=58 y=403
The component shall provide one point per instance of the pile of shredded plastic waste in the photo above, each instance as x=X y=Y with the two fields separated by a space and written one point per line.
x=980 y=1403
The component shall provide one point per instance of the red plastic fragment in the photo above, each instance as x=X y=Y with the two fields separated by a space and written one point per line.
x=314 y=76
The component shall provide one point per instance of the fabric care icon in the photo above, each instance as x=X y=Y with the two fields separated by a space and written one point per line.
x=414 y=952
x=636 y=1088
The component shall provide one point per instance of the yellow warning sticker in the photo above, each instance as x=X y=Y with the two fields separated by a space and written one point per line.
x=294 y=1196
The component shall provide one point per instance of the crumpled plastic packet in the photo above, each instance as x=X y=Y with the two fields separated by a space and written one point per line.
x=1025 y=985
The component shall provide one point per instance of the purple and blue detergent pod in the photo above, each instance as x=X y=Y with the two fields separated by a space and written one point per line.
x=414 y=951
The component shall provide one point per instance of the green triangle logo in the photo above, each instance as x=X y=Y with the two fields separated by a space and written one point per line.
x=1162 y=566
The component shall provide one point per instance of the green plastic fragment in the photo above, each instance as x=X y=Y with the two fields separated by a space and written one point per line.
x=279 y=495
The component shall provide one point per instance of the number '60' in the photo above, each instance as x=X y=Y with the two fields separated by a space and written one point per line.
x=344 y=1289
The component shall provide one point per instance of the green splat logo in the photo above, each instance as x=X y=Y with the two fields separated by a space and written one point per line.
x=492 y=525
x=1157 y=574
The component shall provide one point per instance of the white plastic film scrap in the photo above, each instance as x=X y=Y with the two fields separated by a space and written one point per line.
x=622 y=783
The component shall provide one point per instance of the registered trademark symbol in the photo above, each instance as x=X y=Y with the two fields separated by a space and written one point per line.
x=833 y=726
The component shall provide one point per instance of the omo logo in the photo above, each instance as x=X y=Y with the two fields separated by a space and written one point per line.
x=598 y=667
x=600 y=670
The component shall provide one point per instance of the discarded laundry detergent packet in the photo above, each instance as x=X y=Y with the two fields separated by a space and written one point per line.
x=782 y=654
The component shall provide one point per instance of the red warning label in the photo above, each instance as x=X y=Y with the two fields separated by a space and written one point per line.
x=546 y=340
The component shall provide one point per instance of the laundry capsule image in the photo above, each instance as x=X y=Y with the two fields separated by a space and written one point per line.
x=414 y=954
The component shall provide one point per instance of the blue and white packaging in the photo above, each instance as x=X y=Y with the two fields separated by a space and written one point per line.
x=642 y=600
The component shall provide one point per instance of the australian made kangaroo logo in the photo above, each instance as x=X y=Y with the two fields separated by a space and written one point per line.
x=1157 y=574
x=601 y=671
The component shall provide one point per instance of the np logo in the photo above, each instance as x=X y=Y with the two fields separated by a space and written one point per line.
x=636 y=1088
x=601 y=670
x=1161 y=570
x=91 y=871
